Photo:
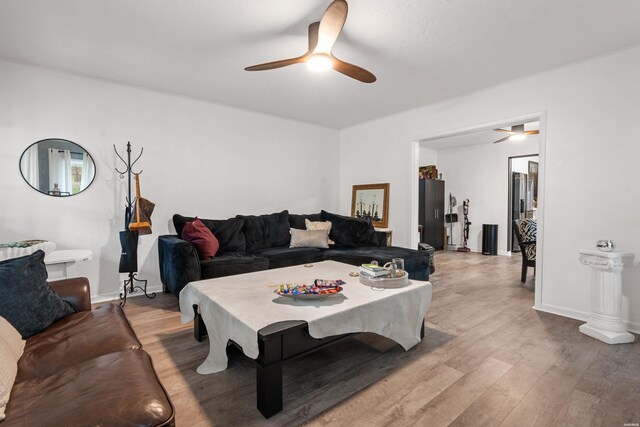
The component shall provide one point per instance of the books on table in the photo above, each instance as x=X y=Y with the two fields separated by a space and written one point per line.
x=371 y=270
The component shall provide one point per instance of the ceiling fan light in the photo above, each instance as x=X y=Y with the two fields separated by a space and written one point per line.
x=517 y=137
x=319 y=62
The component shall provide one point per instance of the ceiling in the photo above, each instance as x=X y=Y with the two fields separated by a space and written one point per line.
x=420 y=50
x=475 y=137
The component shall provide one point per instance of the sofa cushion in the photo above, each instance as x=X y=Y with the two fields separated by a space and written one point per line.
x=201 y=237
x=298 y=221
x=266 y=231
x=350 y=232
x=309 y=238
x=76 y=338
x=416 y=263
x=26 y=300
x=286 y=257
x=227 y=231
x=232 y=263
x=110 y=390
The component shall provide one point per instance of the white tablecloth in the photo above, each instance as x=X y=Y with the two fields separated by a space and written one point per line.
x=237 y=307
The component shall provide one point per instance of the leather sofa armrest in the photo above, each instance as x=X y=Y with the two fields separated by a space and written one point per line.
x=179 y=263
x=75 y=291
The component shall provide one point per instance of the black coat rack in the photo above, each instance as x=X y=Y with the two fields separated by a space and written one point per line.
x=129 y=239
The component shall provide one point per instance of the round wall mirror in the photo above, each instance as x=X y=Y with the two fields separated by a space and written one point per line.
x=57 y=167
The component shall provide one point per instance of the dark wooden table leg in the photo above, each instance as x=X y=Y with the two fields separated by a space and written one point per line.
x=269 y=388
x=269 y=372
x=199 y=328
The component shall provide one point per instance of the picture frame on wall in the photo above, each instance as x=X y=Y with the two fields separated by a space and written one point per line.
x=371 y=202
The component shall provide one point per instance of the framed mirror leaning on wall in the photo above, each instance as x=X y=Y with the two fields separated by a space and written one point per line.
x=57 y=167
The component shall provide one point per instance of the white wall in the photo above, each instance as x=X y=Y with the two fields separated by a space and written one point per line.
x=428 y=156
x=591 y=182
x=480 y=173
x=199 y=159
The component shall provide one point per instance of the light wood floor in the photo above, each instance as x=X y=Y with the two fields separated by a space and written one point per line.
x=487 y=359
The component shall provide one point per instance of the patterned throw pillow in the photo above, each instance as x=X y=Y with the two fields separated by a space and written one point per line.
x=528 y=231
x=319 y=225
x=14 y=341
x=8 y=372
x=11 y=348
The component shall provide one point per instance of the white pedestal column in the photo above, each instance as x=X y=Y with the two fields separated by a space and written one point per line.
x=605 y=321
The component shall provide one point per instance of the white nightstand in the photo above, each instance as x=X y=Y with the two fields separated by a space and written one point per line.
x=62 y=264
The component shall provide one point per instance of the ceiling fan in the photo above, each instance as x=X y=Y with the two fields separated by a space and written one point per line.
x=517 y=132
x=322 y=37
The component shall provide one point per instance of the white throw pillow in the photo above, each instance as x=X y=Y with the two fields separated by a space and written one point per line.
x=12 y=337
x=309 y=238
x=8 y=372
x=319 y=225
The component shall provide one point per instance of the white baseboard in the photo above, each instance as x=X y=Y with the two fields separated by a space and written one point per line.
x=113 y=296
x=580 y=315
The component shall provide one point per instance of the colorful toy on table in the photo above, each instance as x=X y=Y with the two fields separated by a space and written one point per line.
x=327 y=284
x=302 y=289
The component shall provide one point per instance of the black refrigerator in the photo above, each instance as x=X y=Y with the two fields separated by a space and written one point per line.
x=431 y=212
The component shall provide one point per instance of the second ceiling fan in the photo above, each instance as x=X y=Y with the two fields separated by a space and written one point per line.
x=516 y=132
x=322 y=37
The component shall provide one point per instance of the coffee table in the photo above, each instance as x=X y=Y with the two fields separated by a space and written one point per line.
x=243 y=309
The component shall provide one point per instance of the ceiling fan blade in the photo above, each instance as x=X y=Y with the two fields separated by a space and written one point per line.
x=532 y=132
x=331 y=25
x=277 y=64
x=503 y=139
x=353 y=71
x=313 y=36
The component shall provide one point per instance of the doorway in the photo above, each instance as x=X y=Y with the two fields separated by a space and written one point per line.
x=523 y=193
x=466 y=181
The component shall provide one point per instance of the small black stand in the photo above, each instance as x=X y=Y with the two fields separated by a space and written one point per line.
x=129 y=286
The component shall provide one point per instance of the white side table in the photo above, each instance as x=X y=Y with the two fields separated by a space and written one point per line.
x=388 y=232
x=605 y=320
x=62 y=264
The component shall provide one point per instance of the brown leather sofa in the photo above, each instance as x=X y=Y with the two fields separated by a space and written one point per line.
x=87 y=368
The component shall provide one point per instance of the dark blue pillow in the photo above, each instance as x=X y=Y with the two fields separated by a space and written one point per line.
x=297 y=221
x=26 y=299
x=350 y=232
x=266 y=231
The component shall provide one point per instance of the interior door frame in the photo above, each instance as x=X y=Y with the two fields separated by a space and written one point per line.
x=541 y=116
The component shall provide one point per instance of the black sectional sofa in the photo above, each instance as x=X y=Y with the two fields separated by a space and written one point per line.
x=255 y=243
